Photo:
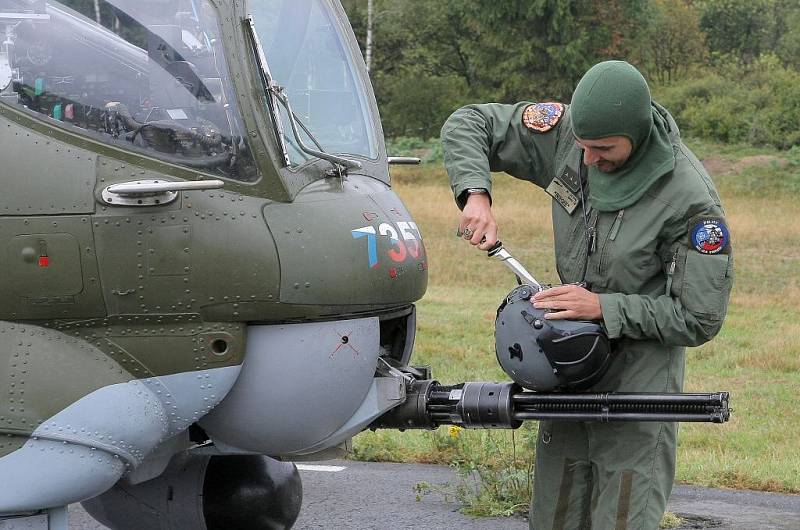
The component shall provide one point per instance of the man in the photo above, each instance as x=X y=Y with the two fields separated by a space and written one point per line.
x=634 y=217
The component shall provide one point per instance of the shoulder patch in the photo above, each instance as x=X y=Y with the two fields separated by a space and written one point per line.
x=541 y=117
x=709 y=235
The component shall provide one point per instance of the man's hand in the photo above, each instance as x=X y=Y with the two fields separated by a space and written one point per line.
x=477 y=222
x=569 y=301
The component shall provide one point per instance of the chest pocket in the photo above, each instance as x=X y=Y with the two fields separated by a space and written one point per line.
x=626 y=260
x=571 y=246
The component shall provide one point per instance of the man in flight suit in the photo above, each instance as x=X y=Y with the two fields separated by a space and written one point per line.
x=637 y=221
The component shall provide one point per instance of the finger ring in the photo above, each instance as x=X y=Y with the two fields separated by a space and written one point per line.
x=468 y=232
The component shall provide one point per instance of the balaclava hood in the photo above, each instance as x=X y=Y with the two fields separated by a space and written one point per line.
x=613 y=99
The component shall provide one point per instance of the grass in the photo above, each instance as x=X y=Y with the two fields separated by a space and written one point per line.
x=756 y=356
x=671 y=520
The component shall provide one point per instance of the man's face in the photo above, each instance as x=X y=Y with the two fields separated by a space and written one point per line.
x=608 y=154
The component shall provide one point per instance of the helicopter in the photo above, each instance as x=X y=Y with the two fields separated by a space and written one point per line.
x=207 y=272
x=174 y=243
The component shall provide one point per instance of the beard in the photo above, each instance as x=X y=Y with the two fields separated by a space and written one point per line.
x=607 y=166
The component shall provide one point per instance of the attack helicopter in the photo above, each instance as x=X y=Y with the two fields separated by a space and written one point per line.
x=196 y=215
x=208 y=274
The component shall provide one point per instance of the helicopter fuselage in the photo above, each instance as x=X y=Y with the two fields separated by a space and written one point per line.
x=253 y=305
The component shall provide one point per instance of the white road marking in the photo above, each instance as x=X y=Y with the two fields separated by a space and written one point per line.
x=314 y=467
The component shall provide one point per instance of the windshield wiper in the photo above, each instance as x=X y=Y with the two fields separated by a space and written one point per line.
x=266 y=79
x=294 y=122
x=275 y=92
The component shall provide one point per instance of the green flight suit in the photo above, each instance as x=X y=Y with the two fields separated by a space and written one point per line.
x=658 y=292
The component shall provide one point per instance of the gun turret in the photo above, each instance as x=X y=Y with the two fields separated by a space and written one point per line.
x=482 y=405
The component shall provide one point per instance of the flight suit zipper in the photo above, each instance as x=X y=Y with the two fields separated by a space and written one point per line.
x=616 y=226
x=591 y=233
x=591 y=241
x=612 y=236
x=671 y=272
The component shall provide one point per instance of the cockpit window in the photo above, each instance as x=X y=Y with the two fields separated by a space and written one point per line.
x=144 y=75
x=308 y=56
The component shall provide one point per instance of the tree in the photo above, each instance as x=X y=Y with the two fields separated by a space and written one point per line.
x=786 y=37
x=420 y=70
x=431 y=56
x=788 y=47
x=737 y=27
x=673 y=42
x=538 y=49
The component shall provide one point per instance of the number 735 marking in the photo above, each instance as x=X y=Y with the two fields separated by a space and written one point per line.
x=401 y=248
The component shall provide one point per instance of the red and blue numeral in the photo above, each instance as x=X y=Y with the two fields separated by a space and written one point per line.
x=405 y=239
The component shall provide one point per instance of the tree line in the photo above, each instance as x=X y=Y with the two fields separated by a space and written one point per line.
x=728 y=69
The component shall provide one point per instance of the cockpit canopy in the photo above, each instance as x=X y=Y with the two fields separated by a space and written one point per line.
x=150 y=76
x=146 y=75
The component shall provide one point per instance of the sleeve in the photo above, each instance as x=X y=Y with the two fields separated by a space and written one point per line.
x=699 y=280
x=479 y=139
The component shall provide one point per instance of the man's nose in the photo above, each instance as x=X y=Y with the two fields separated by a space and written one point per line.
x=590 y=157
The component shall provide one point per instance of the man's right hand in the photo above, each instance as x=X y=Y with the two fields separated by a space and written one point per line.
x=477 y=222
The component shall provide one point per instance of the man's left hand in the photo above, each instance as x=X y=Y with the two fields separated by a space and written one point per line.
x=569 y=301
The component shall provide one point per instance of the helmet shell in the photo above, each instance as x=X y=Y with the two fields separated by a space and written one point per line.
x=548 y=355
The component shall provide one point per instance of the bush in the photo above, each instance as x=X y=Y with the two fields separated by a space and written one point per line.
x=758 y=104
x=725 y=117
x=418 y=105
x=427 y=150
x=679 y=96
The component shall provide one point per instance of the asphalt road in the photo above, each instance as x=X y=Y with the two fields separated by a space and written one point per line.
x=381 y=496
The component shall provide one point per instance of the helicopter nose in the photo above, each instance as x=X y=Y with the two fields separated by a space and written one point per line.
x=362 y=250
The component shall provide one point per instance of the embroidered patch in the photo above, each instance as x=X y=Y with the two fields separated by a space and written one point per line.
x=542 y=117
x=709 y=235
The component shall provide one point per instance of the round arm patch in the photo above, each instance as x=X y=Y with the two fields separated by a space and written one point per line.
x=541 y=117
x=710 y=235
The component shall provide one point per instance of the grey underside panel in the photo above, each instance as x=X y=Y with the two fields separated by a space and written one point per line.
x=53 y=519
x=300 y=384
x=33 y=522
x=84 y=449
x=385 y=393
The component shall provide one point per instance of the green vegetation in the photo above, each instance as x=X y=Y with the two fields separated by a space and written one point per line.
x=671 y=520
x=755 y=356
x=728 y=69
x=756 y=103
x=426 y=150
